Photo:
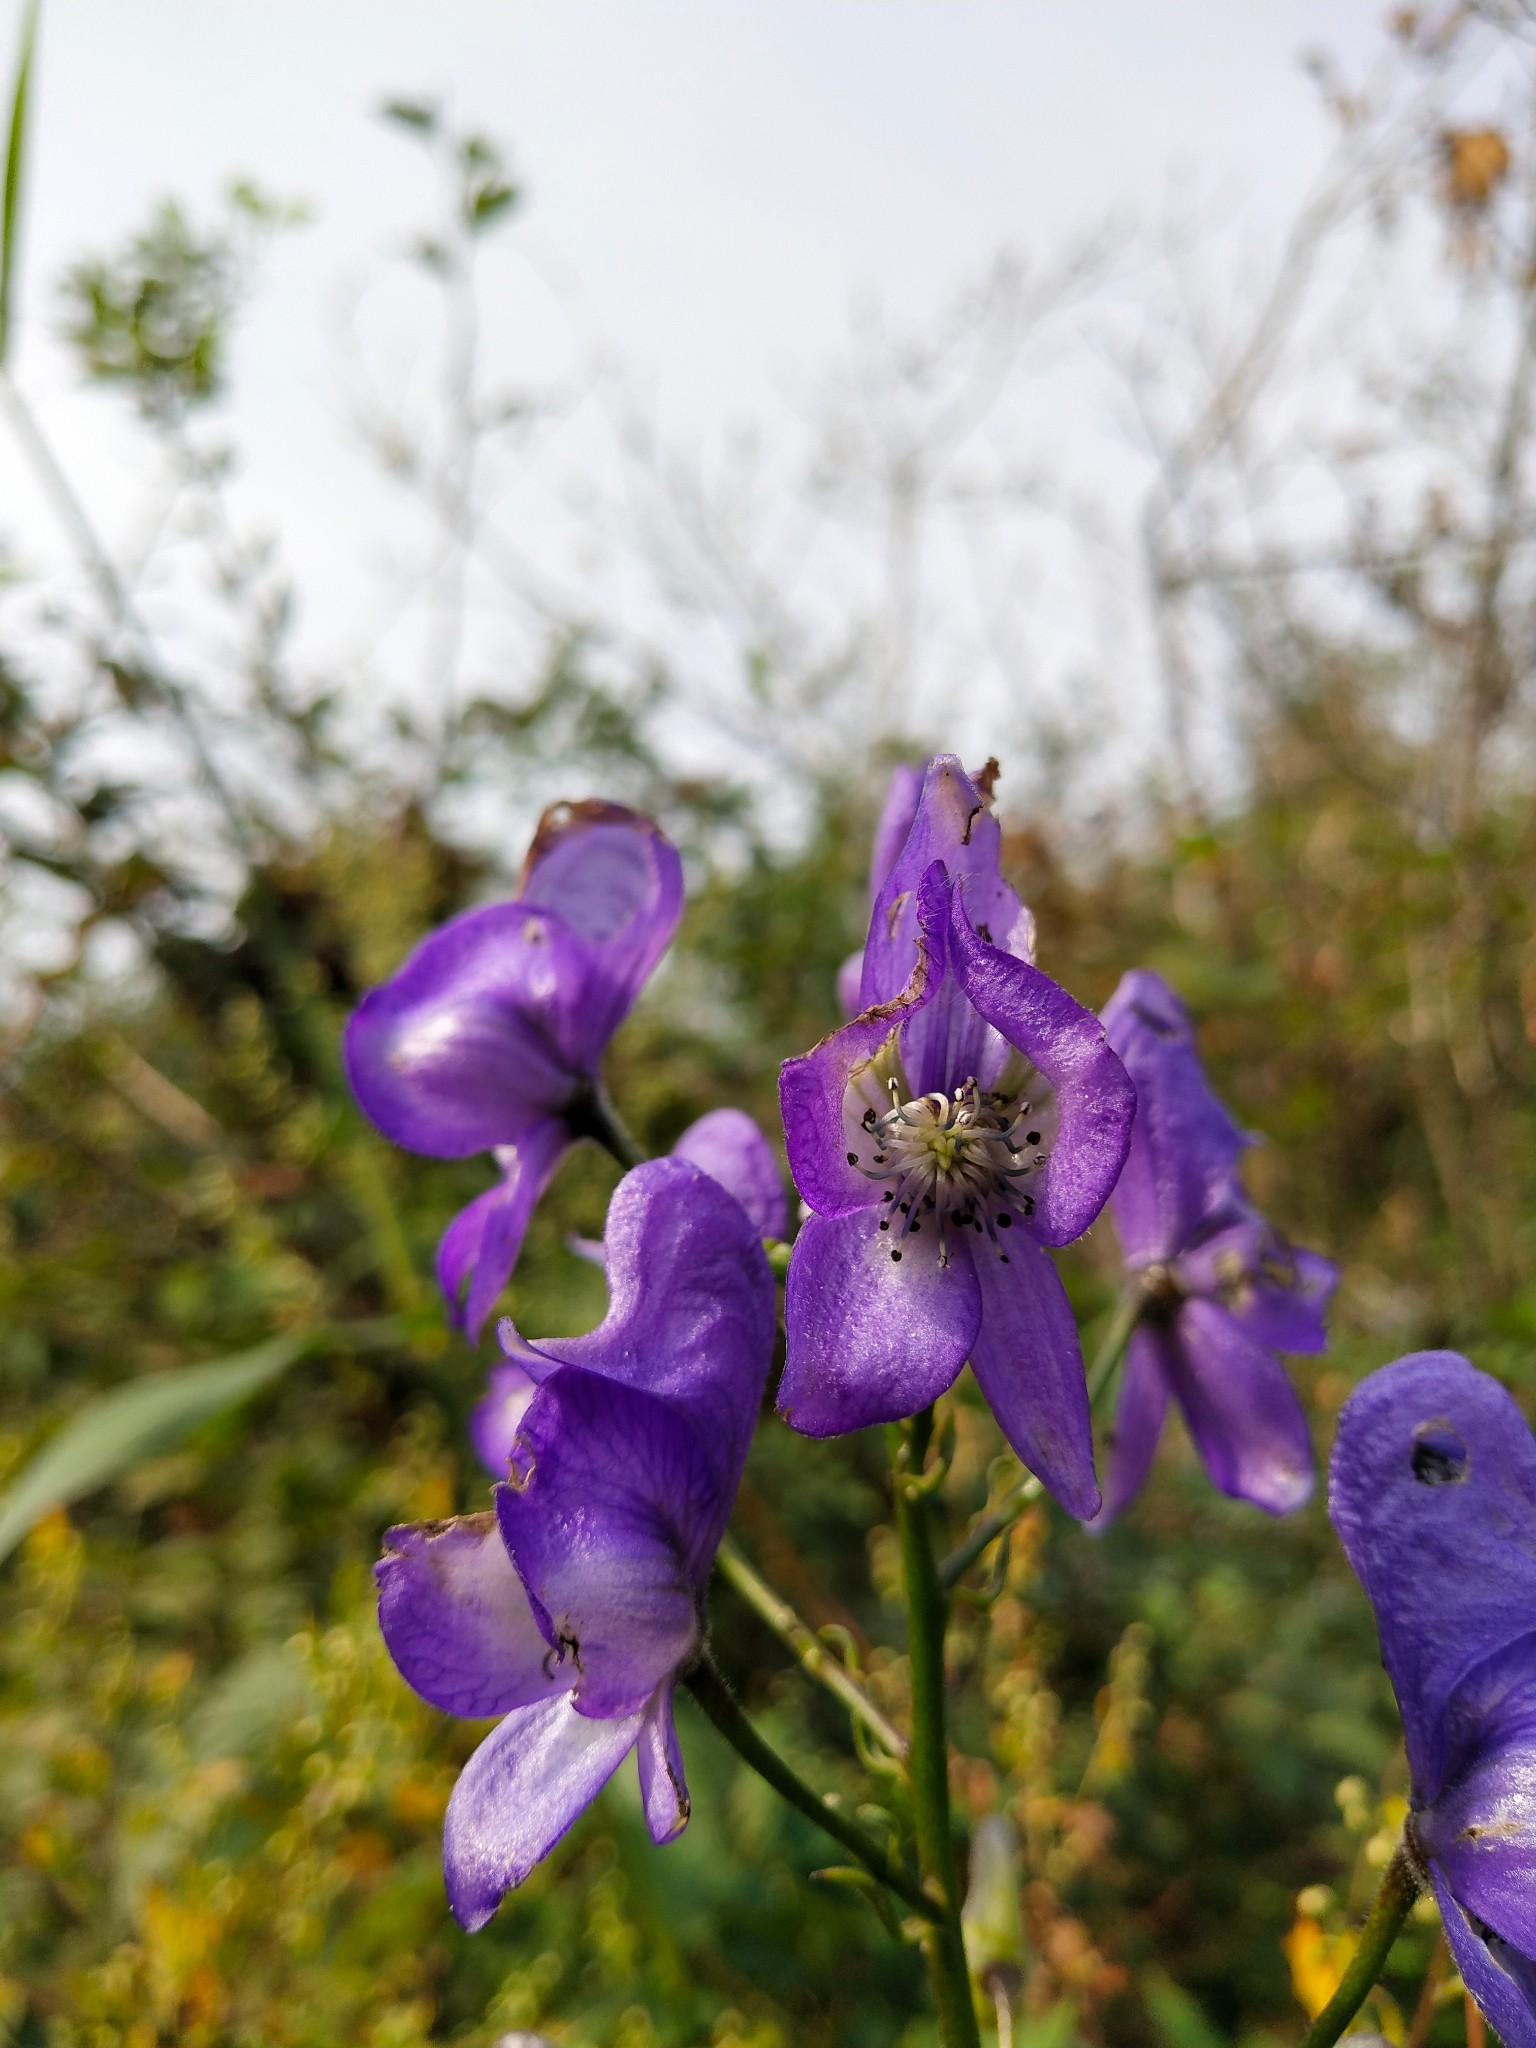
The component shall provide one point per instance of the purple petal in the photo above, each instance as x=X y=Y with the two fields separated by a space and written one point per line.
x=953 y=823
x=612 y=1527
x=871 y=1339
x=457 y=1622
x=1185 y=1147
x=1274 y=1291
x=824 y=1092
x=1029 y=1363
x=1432 y=1489
x=1482 y=1833
x=728 y=1146
x=663 y=1788
x=1139 y=1416
x=1241 y=1409
x=615 y=880
x=523 y=1788
x=1502 y=1981
x=498 y=1415
x=481 y=1244
x=901 y=801
x=1095 y=1102
x=692 y=1311
x=467 y=1046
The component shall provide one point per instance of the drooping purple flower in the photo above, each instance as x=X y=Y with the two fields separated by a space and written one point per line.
x=491 y=1036
x=728 y=1146
x=971 y=1115
x=571 y=1609
x=1226 y=1291
x=1432 y=1489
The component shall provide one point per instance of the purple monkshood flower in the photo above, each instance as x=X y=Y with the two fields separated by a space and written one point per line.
x=491 y=1036
x=1226 y=1292
x=729 y=1147
x=971 y=1115
x=572 y=1607
x=1432 y=1489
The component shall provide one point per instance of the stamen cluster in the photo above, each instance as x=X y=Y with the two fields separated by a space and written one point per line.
x=954 y=1159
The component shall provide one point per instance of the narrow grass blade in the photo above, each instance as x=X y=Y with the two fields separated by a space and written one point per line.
x=15 y=153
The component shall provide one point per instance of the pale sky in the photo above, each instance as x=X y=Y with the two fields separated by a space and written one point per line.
x=713 y=184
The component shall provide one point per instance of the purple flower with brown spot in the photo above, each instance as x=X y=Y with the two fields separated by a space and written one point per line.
x=491 y=1036
x=572 y=1608
x=970 y=1117
x=1432 y=1489
x=1225 y=1292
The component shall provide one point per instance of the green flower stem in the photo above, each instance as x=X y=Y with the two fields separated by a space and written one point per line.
x=988 y=1529
x=926 y=1616
x=812 y=1654
x=709 y=1688
x=1132 y=1307
x=594 y=1116
x=1400 y=1886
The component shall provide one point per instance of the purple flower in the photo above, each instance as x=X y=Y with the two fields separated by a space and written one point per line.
x=729 y=1147
x=571 y=1609
x=1432 y=1489
x=970 y=1116
x=490 y=1037
x=1227 y=1292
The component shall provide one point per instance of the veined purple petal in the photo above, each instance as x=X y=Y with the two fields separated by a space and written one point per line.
x=480 y=1246
x=1029 y=1363
x=871 y=1339
x=464 y=1048
x=822 y=1093
x=663 y=1787
x=953 y=823
x=1482 y=1833
x=612 y=1526
x=1242 y=1410
x=1185 y=1147
x=692 y=1314
x=1095 y=1102
x=1502 y=1981
x=457 y=1622
x=615 y=880
x=728 y=1146
x=1432 y=1489
x=524 y=1787
x=1140 y=1413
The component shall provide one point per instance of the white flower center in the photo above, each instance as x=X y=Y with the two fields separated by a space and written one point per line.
x=953 y=1162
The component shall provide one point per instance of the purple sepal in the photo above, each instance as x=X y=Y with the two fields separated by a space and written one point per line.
x=525 y=1786
x=1242 y=1411
x=1432 y=1489
x=953 y=824
x=902 y=796
x=1028 y=1361
x=611 y=1520
x=1095 y=1103
x=1140 y=1412
x=692 y=1311
x=1185 y=1147
x=1502 y=1980
x=457 y=1621
x=663 y=1787
x=728 y=1146
x=498 y=1414
x=869 y=1340
x=481 y=1245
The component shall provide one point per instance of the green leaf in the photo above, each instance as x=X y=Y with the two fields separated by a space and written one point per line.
x=132 y=1422
x=1180 y=2022
x=15 y=148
